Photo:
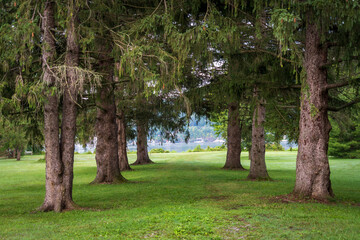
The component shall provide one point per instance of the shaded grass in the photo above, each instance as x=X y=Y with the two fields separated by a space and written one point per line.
x=182 y=196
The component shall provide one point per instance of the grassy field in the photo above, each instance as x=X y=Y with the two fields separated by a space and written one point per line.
x=182 y=196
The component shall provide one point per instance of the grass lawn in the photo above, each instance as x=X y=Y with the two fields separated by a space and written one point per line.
x=182 y=196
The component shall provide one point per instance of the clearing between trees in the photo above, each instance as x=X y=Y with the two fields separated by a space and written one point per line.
x=182 y=196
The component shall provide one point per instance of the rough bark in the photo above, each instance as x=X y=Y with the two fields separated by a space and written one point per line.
x=18 y=154
x=123 y=159
x=54 y=167
x=312 y=164
x=142 y=152
x=68 y=124
x=107 y=159
x=257 y=164
x=234 y=138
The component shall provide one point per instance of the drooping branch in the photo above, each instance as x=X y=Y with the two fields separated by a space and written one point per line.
x=328 y=64
x=336 y=109
x=341 y=84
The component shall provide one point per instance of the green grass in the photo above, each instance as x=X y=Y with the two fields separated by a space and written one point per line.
x=182 y=196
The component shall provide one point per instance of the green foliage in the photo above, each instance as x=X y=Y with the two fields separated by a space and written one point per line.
x=208 y=149
x=345 y=138
x=159 y=150
x=12 y=137
x=291 y=149
x=274 y=147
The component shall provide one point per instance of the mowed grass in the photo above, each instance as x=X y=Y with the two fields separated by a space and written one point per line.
x=182 y=196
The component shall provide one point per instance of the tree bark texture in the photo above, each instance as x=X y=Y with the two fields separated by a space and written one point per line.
x=257 y=164
x=107 y=159
x=312 y=164
x=142 y=152
x=18 y=154
x=234 y=138
x=54 y=168
x=68 y=124
x=123 y=159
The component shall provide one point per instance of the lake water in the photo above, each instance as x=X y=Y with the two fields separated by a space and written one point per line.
x=178 y=147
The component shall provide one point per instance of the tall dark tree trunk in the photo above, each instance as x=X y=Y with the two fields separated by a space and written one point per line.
x=257 y=164
x=234 y=138
x=312 y=164
x=142 y=152
x=54 y=168
x=18 y=154
x=123 y=159
x=107 y=159
x=68 y=125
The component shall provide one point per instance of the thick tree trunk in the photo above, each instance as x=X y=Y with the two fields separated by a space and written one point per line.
x=257 y=164
x=18 y=154
x=123 y=159
x=107 y=159
x=54 y=168
x=68 y=127
x=312 y=164
x=142 y=152
x=234 y=139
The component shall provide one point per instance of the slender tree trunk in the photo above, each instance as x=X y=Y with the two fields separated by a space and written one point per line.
x=18 y=154
x=142 y=152
x=13 y=153
x=68 y=127
x=107 y=159
x=257 y=164
x=234 y=139
x=54 y=167
x=312 y=164
x=123 y=159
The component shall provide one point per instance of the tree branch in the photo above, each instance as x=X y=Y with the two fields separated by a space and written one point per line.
x=337 y=85
x=334 y=109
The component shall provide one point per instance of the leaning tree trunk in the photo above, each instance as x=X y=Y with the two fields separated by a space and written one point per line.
x=312 y=164
x=54 y=168
x=123 y=159
x=68 y=126
x=234 y=138
x=257 y=164
x=18 y=154
x=107 y=159
x=142 y=152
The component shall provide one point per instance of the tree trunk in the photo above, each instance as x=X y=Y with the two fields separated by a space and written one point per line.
x=123 y=159
x=257 y=164
x=54 y=168
x=312 y=164
x=13 y=153
x=18 y=154
x=234 y=139
x=142 y=152
x=107 y=159
x=68 y=127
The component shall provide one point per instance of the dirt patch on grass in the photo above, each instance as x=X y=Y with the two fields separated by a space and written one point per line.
x=290 y=198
